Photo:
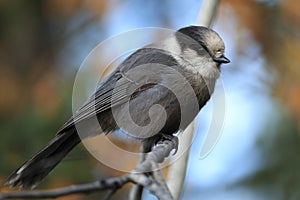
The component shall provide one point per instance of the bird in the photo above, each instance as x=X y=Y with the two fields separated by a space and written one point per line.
x=156 y=91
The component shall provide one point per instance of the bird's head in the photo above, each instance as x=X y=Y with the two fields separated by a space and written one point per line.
x=204 y=41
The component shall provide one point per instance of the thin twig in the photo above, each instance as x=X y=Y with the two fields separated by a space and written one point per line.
x=109 y=193
x=136 y=190
x=160 y=179
x=153 y=187
x=110 y=183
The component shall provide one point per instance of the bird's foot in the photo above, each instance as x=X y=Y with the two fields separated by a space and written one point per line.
x=171 y=138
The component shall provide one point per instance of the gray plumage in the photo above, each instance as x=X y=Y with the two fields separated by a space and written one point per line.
x=178 y=73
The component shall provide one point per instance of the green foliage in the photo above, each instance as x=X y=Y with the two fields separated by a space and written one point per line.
x=280 y=149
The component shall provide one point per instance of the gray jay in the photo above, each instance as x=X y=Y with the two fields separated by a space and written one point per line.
x=158 y=90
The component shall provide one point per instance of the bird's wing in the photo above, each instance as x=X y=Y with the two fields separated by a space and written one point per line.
x=101 y=100
x=119 y=87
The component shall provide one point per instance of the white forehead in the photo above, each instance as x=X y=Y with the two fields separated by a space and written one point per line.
x=213 y=40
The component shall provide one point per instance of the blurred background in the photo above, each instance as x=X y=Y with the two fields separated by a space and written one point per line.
x=43 y=43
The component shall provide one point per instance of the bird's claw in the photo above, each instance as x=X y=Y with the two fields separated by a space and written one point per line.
x=171 y=138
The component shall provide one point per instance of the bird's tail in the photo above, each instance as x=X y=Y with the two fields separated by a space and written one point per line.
x=30 y=173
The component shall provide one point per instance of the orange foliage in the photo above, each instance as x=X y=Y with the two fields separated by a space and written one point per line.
x=11 y=89
x=276 y=29
x=290 y=10
x=67 y=8
x=44 y=95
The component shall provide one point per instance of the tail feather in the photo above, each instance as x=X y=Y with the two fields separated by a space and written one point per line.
x=30 y=173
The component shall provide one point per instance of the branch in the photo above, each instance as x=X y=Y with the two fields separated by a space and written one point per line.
x=140 y=175
x=110 y=183
x=207 y=12
x=177 y=171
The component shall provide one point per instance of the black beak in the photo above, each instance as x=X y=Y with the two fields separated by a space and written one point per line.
x=221 y=59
